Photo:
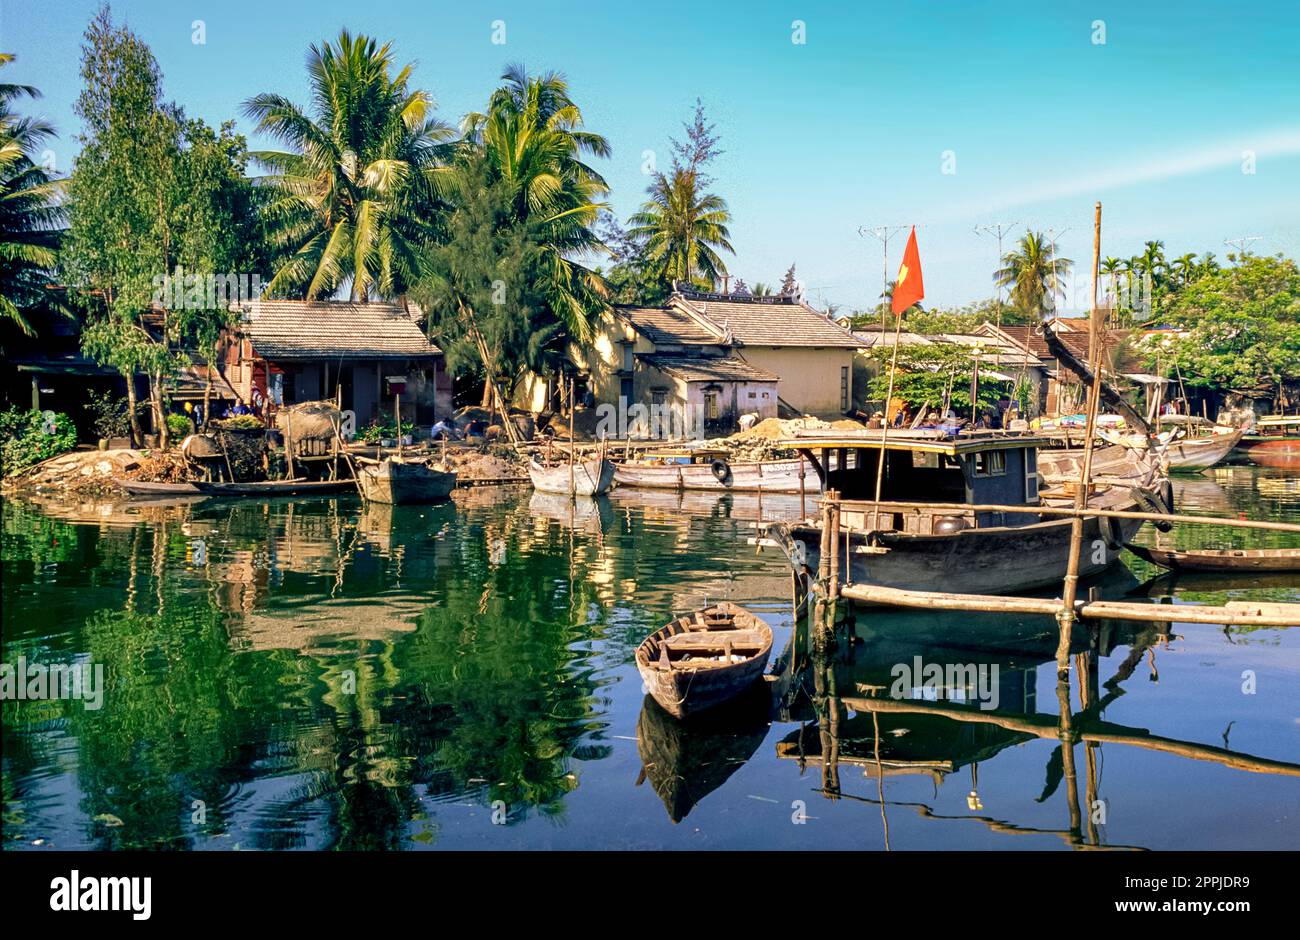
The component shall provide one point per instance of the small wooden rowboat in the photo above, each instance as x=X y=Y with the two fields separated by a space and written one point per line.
x=585 y=478
x=704 y=658
x=399 y=482
x=1244 y=560
x=143 y=488
x=274 y=488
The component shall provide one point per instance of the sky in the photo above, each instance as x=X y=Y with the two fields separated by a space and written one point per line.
x=1183 y=119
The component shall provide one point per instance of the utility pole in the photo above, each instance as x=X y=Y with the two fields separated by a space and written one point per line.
x=1242 y=244
x=883 y=233
x=1052 y=236
x=998 y=230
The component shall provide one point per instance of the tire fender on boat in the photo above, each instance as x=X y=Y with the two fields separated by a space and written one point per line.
x=721 y=470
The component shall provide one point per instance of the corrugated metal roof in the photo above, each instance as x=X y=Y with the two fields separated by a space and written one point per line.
x=295 y=329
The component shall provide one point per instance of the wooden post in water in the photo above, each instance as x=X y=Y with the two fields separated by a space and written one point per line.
x=288 y=442
x=397 y=417
x=1071 y=587
x=573 y=442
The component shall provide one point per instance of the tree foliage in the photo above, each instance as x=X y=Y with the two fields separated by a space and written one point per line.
x=1237 y=328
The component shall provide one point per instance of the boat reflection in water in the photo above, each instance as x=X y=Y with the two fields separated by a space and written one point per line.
x=686 y=760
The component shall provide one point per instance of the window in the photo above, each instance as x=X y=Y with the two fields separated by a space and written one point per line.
x=990 y=463
x=844 y=388
x=658 y=396
x=753 y=394
x=711 y=406
x=629 y=363
x=625 y=389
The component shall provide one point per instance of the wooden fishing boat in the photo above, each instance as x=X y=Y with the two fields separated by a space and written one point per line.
x=399 y=481
x=711 y=470
x=1244 y=560
x=704 y=659
x=1274 y=442
x=949 y=547
x=145 y=489
x=275 y=488
x=593 y=477
x=1201 y=453
x=1115 y=464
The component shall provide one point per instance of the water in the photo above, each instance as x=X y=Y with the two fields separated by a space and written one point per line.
x=309 y=674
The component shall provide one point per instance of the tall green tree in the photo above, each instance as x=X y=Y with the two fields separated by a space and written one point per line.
x=1237 y=329
x=30 y=215
x=151 y=195
x=525 y=206
x=356 y=190
x=685 y=228
x=534 y=148
x=1034 y=274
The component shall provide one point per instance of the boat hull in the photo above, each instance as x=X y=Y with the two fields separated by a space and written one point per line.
x=1201 y=453
x=143 y=489
x=997 y=560
x=1246 y=561
x=588 y=478
x=276 y=488
x=402 y=484
x=773 y=476
x=688 y=691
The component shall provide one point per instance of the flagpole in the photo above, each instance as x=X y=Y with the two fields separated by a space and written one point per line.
x=884 y=437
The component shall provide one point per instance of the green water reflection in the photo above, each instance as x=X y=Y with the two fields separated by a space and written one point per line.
x=315 y=674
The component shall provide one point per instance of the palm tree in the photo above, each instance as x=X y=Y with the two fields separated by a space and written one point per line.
x=684 y=229
x=1153 y=260
x=1112 y=268
x=532 y=143
x=29 y=214
x=357 y=189
x=1184 y=266
x=1033 y=273
x=761 y=290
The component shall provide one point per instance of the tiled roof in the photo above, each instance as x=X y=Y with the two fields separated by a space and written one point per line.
x=294 y=329
x=701 y=369
x=770 y=321
x=668 y=325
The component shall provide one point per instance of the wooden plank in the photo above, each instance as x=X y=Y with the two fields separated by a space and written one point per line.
x=715 y=638
x=1236 y=613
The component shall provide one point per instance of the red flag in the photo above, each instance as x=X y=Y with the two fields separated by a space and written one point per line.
x=909 y=288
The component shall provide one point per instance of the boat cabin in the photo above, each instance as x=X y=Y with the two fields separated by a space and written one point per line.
x=930 y=468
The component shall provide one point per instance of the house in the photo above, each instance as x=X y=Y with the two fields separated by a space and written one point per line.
x=727 y=354
x=1059 y=391
x=360 y=354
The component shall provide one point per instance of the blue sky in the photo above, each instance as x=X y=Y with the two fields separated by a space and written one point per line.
x=847 y=129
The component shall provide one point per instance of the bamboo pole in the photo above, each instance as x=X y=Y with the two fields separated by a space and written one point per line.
x=884 y=434
x=1234 y=613
x=1071 y=586
x=397 y=420
x=903 y=505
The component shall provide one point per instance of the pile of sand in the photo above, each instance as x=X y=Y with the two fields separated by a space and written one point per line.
x=79 y=471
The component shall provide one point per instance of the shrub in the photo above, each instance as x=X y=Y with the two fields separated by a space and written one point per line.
x=108 y=415
x=28 y=437
x=178 y=425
